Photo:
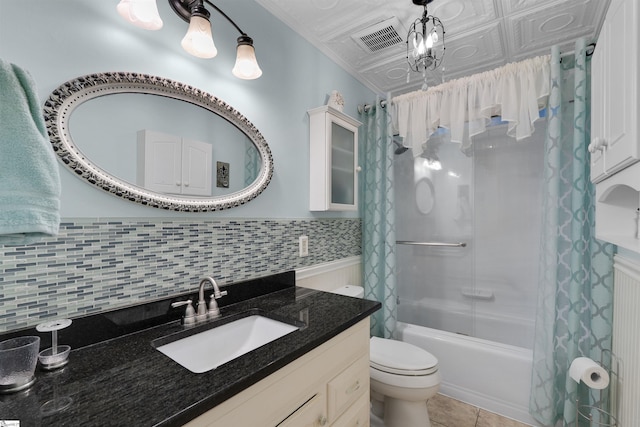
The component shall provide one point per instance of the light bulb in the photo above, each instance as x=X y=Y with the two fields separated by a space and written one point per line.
x=199 y=41
x=141 y=13
x=429 y=41
x=419 y=47
x=246 y=66
x=416 y=42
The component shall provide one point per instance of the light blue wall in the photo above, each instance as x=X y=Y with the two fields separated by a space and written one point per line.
x=62 y=39
x=112 y=253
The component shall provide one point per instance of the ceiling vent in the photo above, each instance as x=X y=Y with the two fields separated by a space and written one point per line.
x=380 y=36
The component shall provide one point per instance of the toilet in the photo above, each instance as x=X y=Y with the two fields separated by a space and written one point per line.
x=402 y=376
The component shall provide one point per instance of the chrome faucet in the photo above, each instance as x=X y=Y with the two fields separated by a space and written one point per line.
x=213 y=310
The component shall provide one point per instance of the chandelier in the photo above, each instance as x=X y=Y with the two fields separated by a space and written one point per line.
x=425 y=43
x=199 y=40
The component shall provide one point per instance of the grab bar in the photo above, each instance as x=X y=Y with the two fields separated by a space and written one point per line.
x=449 y=245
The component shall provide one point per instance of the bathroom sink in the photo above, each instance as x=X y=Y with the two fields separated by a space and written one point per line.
x=204 y=351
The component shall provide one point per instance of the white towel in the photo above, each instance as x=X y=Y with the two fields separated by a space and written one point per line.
x=29 y=175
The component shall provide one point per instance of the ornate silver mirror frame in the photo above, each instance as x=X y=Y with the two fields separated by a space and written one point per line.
x=69 y=95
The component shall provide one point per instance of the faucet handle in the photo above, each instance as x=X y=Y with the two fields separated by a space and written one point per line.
x=189 y=313
x=214 y=311
x=218 y=294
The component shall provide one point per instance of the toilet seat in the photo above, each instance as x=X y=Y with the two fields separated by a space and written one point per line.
x=400 y=358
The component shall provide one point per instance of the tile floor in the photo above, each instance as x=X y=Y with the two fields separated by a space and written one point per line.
x=447 y=412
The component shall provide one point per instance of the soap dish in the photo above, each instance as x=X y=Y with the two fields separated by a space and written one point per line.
x=57 y=355
x=50 y=360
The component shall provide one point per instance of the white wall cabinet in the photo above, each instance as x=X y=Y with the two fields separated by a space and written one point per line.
x=333 y=160
x=615 y=135
x=174 y=165
x=329 y=386
x=614 y=97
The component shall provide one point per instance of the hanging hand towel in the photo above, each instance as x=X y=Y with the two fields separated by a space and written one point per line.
x=29 y=175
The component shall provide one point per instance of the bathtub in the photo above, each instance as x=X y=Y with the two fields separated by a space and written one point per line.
x=490 y=375
x=501 y=321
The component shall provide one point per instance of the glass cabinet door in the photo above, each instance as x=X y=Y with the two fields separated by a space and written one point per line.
x=342 y=165
x=333 y=160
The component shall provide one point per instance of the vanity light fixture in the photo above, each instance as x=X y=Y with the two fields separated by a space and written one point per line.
x=425 y=43
x=198 y=41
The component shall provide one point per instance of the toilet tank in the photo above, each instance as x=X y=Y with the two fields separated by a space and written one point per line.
x=350 y=291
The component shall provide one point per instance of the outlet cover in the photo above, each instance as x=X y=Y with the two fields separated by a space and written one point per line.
x=303 y=245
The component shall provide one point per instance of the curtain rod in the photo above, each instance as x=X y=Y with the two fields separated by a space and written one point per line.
x=383 y=102
x=366 y=107
x=590 y=48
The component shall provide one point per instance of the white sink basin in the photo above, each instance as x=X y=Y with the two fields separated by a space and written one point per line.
x=207 y=350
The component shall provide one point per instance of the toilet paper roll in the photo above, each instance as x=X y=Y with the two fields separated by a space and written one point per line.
x=589 y=372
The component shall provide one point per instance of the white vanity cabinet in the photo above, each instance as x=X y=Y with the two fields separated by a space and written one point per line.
x=173 y=165
x=329 y=386
x=333 y=160
x=615 y=142
x=615 y=133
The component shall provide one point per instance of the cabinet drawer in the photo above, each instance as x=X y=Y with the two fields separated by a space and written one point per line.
x=356 y=416
x=344 y=389
x=311 y=414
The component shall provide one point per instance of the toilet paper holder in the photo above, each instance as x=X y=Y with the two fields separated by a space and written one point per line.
x=594 y=415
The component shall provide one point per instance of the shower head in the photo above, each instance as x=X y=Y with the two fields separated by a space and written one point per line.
x=399 y=147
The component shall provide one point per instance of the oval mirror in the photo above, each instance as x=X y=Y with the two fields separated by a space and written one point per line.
x=157 y=142
x=424 y=196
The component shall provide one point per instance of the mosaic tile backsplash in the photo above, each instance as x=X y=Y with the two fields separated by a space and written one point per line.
x=93 y=266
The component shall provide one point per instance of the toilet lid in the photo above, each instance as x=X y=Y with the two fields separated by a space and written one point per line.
x=401 y=358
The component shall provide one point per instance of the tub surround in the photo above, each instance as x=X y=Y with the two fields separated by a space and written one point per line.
x=122 y=380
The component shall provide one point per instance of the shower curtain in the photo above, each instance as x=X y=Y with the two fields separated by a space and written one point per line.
x=575 y=294
x=378 y=218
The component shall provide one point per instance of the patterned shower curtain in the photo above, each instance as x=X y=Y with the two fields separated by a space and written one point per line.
x=378 y=218
x=575 y=294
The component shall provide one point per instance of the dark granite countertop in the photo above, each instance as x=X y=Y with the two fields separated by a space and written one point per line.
x=122 y=380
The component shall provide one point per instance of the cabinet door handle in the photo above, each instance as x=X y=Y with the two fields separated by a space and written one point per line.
x=598 y=144
x=355 y=387
x=322 y=420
